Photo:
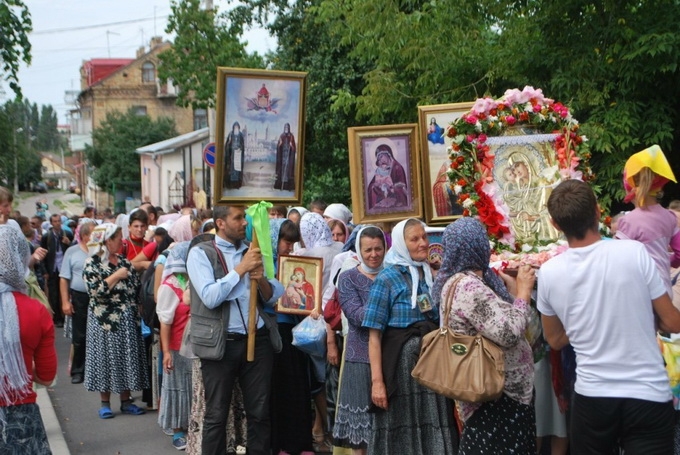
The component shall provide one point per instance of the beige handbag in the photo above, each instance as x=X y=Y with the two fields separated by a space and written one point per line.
x=461 y=367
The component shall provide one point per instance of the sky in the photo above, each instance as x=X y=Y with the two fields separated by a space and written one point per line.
x=67 y=32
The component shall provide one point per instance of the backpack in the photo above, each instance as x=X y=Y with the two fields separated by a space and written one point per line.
x=145 y=296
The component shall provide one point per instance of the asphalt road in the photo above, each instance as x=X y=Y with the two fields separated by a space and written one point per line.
x=57 y=200
x=85 y=433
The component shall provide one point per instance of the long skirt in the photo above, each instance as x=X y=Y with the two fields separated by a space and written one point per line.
x=237 y=429
x=176 y=394
x=352 y=421
x=115 y=361
x=417 y=420
x=24 y=432
x=504 y=426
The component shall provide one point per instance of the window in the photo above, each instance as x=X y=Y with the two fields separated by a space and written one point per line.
x=148 y=72
x=200 y=119
x=139 y=110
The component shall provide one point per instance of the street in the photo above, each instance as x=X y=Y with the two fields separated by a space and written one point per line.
x=57 y=200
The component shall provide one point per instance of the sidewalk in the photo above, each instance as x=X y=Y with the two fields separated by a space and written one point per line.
x=52 y=427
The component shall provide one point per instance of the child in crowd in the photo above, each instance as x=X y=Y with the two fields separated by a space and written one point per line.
x=644 y=176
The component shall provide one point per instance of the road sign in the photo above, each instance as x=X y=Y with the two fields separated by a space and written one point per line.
x=209 y=154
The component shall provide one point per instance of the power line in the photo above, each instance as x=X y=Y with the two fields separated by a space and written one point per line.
x=87 y=27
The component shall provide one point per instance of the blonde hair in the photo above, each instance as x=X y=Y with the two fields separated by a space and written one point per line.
x=6 y=195
x=643 y=184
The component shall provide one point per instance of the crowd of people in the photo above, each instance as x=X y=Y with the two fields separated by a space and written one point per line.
x=160 y=303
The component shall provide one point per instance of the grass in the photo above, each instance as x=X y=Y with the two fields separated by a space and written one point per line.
x=59 y=204
x=75 y=200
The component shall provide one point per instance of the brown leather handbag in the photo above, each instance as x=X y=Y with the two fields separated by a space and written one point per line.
x=461 y=367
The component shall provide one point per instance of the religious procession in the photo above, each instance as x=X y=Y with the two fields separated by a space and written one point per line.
x=474 y=300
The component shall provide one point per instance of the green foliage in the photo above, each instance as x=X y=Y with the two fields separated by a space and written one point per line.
x=15 y=25
x=203 y=42
x=16 y=140
x=112 y=153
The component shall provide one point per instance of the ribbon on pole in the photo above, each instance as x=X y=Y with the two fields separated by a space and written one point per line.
x=259 y=214
x=260 y=218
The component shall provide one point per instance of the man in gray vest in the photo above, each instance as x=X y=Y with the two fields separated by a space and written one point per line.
x=220 y=293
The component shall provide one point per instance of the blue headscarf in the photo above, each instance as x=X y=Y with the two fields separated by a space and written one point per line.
x=350 y=243
x=275 y=232
x=466 y=247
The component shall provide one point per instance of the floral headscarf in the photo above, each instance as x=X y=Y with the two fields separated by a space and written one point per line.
x=14 y=256
x=275 y=232
x=466 y=247
x=97 y=243
x=314 y=231
x=399 y=255
x=177 y=259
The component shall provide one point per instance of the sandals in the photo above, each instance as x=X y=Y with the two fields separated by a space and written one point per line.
x=105 y=413
x=321 y=443
x=132 y=409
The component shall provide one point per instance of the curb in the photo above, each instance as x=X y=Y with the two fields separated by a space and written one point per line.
x=54 y=434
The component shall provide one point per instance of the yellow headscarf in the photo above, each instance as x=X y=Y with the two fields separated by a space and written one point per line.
x=653 y=158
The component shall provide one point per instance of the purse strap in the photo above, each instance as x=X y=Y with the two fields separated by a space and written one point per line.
x=448 y=303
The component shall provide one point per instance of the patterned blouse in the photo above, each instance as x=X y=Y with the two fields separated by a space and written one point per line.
x=353 y=287
x=477 y=309
x=107 y=304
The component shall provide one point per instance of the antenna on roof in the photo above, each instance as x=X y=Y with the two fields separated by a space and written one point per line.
x=108 y=45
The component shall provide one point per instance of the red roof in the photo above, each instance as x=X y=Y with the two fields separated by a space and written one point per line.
x=97 y=69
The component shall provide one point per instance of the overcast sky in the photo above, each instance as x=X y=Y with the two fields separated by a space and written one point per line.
x=66 y=32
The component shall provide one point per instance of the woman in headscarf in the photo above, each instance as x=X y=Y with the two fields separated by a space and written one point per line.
x=339 y=230
x=410 y=418
x=338 y=212
x=291 y=393
x=173 y=313
x=27 y=351
x=481 y=303
x=352 y=421
x=318 y=242
x=115 y=360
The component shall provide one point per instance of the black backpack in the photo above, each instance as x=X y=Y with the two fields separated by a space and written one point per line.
x=145 y=296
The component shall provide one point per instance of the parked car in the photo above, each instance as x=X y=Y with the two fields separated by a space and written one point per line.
x=40 y=187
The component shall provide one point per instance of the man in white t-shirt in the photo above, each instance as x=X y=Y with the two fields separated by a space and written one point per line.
x=602 y=297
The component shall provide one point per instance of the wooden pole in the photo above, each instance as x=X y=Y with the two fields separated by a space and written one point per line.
x=252 y=311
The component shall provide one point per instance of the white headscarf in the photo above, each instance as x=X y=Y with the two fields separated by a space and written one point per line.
x=358 y=250
x=97 y=243
x=14 y=256
x=315 y=231
x=300 y=210
x=339 y=212
x=399 y=255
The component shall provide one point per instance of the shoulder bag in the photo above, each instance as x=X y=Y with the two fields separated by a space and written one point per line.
x=461 y=367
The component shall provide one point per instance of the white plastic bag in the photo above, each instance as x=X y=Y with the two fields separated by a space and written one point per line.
x=310 y=336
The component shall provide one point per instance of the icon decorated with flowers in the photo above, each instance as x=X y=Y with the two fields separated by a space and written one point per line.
x=506 y=156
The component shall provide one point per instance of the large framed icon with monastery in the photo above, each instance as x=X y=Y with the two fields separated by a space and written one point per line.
x=384 y=173
x=441 y=203
x=259 y=136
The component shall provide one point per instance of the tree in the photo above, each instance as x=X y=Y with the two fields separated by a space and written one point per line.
x=15 y=25
x=16 y=143
x=114 y=142
x=203 y=42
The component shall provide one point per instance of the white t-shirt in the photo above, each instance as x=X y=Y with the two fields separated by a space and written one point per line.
x=603 y=296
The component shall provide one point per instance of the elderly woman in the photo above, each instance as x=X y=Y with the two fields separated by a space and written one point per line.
x=27 y=351
x=114 y=360
x=411 y=419
x=482 y=304
x=353 y=422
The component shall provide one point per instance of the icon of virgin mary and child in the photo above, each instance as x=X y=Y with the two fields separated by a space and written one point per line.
x=299 y=293
x=387 y=188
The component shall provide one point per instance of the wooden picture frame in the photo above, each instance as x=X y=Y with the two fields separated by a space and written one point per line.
x=259 y=136
x=440 y=205
x=384 y=173
x=302 y=278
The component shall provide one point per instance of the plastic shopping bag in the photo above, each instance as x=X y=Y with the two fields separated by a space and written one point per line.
x=310 y=336
x=671 y=355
